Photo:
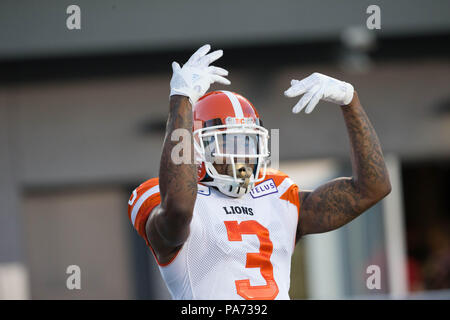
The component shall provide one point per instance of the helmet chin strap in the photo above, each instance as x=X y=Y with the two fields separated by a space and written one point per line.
x=235 y=190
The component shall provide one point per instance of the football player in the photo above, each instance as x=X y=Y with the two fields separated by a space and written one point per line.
x=224 y=226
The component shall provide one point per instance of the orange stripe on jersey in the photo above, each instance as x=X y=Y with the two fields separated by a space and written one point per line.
x=144 y=212
x=277 y=176
x=291 y=195
x=142 y=201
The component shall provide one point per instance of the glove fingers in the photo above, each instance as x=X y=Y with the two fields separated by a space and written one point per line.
x=217 y=70
x=199 y=53
x=175 y=66
x=302 y=103
x=298 y=87
x=293 y=91
x=219 y=79
x=304 y=100
x=314 y=101
x=210 y=58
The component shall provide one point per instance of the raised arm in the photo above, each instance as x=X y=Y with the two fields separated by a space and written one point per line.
x=168 y=226
x=339 y=201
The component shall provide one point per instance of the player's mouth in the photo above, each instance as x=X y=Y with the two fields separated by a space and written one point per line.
x=243 y=171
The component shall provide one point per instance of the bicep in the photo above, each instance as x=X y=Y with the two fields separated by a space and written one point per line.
x=330 y=206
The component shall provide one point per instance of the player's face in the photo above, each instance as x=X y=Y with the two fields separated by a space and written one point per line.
x=239 y=148
x=227 y=169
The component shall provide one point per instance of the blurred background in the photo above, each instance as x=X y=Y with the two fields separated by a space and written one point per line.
x=83 y=111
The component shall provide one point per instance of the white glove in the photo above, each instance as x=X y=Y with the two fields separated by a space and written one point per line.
x=316 y=87
x=195 y=77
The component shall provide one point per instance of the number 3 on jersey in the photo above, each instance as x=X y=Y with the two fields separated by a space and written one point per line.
x=260 y=260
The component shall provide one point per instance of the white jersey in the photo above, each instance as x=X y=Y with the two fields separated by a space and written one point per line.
x=238 y=248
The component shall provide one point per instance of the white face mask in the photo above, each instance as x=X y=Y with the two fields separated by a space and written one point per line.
x=241 y=147
x=223 y=147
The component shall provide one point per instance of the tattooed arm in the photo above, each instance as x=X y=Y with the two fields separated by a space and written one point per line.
x=338 y=202
x=168 y=226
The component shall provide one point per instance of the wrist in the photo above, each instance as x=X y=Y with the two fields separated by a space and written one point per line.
x=181 y=93
x=348 y=92
x=180 y=100
x=353 y=103
x=354 y=100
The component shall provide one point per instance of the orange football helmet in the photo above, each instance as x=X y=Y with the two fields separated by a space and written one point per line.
x=227 y=128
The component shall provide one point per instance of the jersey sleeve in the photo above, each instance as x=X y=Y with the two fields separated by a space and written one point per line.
x=142 y=201
x=286 y=187
x=291 y=195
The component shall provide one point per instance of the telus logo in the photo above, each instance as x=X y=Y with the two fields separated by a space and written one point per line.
x=263 y=189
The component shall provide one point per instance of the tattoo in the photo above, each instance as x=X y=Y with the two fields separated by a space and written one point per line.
x=168 y=227
x=177 y=180
x=337 y=202
x=367 y=157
